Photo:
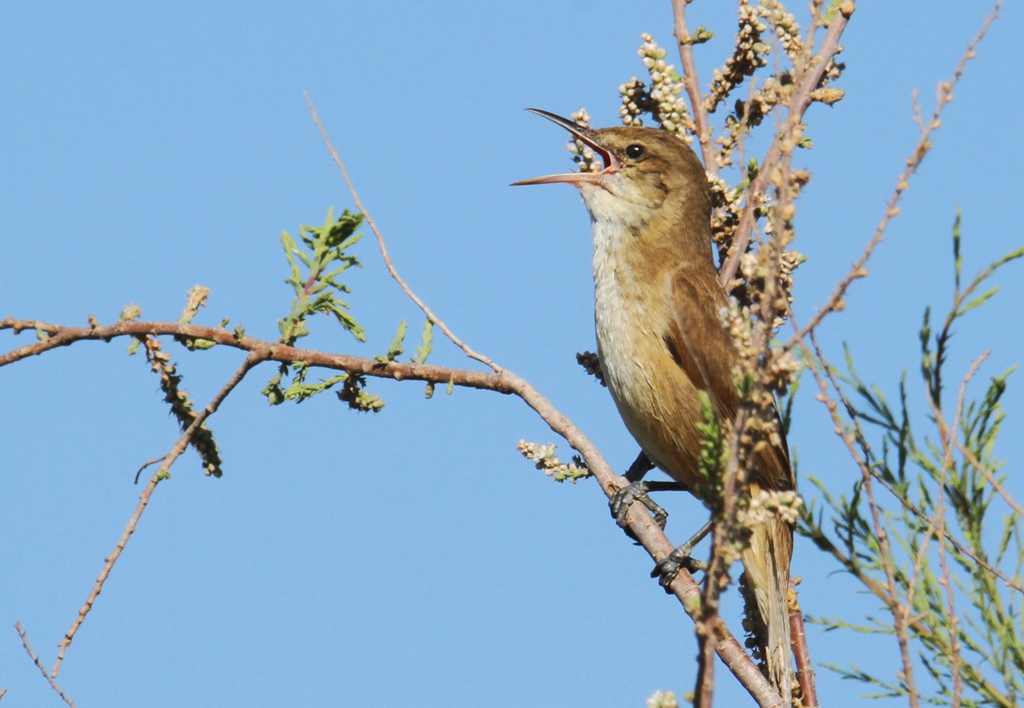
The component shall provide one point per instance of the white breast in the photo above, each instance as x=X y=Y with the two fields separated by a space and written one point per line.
x=624 y=326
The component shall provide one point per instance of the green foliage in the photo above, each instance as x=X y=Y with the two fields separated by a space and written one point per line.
x=316 y=264
x=298 y=390
x=315 y=268
x=426 y=345
x=713 y=453
x=912 y=530
x=395 y=350
x=700 y=36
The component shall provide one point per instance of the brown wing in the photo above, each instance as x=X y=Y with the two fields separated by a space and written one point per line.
x=701 y=346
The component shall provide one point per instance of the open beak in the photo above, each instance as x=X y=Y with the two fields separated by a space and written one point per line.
x=584 y=135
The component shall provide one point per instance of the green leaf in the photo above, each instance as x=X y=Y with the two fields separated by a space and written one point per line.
x=395 y=350
x=976 y=302
x=426 y=345
x=323 y=256
x=957 y=261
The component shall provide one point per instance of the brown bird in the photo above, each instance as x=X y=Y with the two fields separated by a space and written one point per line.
x=660 y=335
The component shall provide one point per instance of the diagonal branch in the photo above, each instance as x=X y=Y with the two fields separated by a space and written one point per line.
x=384 y=250
x=902 y=616
x=180 y=446
x=640 y=522
x=35 y=659
x=924 y=145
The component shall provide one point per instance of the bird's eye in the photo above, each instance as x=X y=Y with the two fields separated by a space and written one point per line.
x=635 y=152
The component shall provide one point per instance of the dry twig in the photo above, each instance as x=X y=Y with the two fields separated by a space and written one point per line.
x=700 y=114
x=384 y=250
x=179 y=447
x=35 y=659
x=924 y=145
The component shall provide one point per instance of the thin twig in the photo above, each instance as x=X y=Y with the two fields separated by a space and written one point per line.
x=147 y=464
x=35 y=659
x=692 y=83
x=924 y=145
x=949 y=442
x=384 y=250
x=901 y=616
x=179 y=447
x=798 y=634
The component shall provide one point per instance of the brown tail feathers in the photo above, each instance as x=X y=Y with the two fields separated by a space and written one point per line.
x=767 y=564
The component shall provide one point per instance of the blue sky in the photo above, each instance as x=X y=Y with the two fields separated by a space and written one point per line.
x=412 y=557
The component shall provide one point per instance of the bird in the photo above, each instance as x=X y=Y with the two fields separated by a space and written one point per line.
x=661 y=338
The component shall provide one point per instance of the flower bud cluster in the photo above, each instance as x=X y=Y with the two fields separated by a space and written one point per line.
x=766 y=505
x=747 y=57
x=765 y=370
x=663 y=699
x=545 y=459
x=181 y=405
x=635 y=101
x=786 y=28
x=665 y=97
x=748 y=114
x=197 y=298
x=725 y=213
x=582 y=154
x=753 y=625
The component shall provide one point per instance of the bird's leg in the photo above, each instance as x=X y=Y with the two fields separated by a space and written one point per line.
x=637 y=490
x=669 y=566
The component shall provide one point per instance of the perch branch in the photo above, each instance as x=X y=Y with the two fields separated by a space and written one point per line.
x=641 y=523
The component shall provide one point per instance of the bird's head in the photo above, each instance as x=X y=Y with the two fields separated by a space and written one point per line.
x=648 y=176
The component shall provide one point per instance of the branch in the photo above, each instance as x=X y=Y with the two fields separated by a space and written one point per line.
x=59 y=336
x=38 y=663
x=384 y=250
x=640 y=522
x=804 y=667
x=700 y=115
x=252 y=360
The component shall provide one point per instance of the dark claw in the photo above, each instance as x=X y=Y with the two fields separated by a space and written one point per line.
x=635 y=492
x=668 y=567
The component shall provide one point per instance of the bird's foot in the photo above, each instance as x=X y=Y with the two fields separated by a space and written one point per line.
x=620 y=502
x=668 y=567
